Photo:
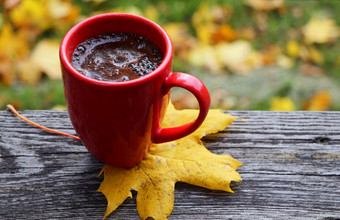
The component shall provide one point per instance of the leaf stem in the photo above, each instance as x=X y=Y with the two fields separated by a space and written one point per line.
x=14 y=111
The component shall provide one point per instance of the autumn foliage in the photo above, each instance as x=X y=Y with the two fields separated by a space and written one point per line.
x=228 y=38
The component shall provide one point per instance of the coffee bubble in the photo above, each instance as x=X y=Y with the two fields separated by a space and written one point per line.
x=81 y=49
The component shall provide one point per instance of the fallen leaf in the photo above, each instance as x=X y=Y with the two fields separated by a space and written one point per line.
x=205 y=56
x=284 y=61
x=281 y=104
x=185 y=160
x=59 y=9
x=30 y=14
x=238 y=56
x=224 y=33
x=321 y=101
x=320 y=30
x=13 y=45
x=270 y=54
x=46 y=56
x=206 y=21
x=293 y=48
x=204 y=33
x=13 y=48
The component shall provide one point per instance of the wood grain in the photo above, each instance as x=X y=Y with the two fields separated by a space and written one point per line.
x=291 y=170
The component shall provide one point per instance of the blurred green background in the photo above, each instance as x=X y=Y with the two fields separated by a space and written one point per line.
x=251 y=54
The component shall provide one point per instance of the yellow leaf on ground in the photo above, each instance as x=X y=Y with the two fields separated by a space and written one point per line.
x=284 y=61
x=319 y=102
x=320 y=30
x=224 y=33
x=30 y=14
x=238 y=56
x=59 y=9
x=204 y=56
x=293 y=48
x=46 y=56
x=13 y=44
x=202 y=21
x=185 y=160
x=14 y=47
x=281 y=104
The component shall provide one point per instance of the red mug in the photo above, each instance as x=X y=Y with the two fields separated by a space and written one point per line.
x=118 y=121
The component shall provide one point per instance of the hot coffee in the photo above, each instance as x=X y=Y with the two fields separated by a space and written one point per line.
x=116 y=57
x=118 y=122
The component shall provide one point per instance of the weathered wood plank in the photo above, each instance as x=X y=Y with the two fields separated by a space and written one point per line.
x=291 y=170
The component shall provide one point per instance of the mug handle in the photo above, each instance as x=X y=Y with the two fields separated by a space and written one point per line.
x=198 y=89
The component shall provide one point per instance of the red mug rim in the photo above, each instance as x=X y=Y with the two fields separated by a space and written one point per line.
x=67 y=64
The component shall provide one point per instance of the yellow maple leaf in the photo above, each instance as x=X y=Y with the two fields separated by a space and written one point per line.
x=281 y=104
x=185 y=160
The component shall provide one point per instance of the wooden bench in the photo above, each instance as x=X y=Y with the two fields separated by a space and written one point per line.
x=291 y=170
